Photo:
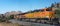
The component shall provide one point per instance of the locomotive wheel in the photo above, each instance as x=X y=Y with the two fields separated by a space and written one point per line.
x=43 y=21
x=27 y=20
x=20 y=19
x=53 y=21
x=38 y=21
x=32 y=20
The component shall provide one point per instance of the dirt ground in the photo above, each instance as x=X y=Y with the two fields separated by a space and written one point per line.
x=8 y=24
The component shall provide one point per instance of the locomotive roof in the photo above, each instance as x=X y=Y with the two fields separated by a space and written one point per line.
x=34 y=11
x=38 y=10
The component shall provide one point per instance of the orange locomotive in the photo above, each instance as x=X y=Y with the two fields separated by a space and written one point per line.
x=46 y=15
x=43 y=13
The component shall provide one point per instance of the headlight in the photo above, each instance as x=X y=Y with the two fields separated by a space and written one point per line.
x=47 y=16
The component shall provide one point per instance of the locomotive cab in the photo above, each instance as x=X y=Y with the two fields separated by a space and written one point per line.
x=49 y=13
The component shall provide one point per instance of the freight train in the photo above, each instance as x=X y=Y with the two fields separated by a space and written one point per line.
x=46 y=15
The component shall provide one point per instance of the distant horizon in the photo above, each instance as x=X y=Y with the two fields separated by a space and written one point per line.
x=24 y=5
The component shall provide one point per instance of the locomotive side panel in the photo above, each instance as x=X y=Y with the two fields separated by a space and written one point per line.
x=29 y=15
x=44 y=14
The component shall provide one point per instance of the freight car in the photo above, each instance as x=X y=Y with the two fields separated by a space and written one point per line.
x=46 y=15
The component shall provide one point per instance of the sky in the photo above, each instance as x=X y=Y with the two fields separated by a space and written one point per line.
x=24 y=5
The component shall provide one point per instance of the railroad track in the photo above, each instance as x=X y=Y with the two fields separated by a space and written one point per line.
x=29 y=23
x=42 y=21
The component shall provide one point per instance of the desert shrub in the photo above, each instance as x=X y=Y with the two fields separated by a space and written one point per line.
x=10 y=17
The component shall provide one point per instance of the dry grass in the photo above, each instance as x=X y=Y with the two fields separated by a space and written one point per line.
x=9 y=24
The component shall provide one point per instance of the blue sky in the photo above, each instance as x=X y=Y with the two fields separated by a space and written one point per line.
x=24 y=5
